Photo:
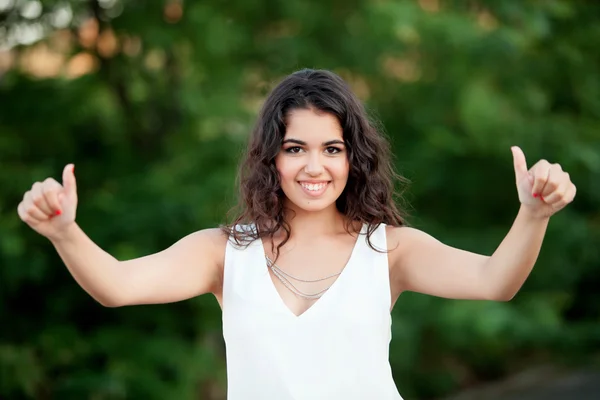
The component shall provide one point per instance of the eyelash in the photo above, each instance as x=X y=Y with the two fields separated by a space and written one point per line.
x=292 y=150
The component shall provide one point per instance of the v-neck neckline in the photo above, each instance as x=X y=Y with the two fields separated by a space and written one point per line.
x=279 y=300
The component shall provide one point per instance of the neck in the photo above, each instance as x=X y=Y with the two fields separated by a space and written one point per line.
x=315 y=223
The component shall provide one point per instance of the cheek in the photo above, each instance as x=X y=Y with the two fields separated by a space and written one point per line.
x=286 y=172
x=341 y=170
x=285 y=178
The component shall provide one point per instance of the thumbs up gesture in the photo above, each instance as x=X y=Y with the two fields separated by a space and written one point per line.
x=49 y=207
x=544 y=188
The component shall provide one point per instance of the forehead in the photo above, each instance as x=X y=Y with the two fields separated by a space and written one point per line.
x=311 y=126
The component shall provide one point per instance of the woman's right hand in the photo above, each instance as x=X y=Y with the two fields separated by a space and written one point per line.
x=49 y=208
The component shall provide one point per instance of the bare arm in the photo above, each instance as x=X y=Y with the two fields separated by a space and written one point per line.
x=426 y=265
x=191 y=267
x=422 y=264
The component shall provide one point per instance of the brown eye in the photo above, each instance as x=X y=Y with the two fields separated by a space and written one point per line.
x=332 y=150
x=293 y=150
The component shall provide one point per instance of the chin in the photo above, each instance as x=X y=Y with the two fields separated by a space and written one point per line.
x=311 y=205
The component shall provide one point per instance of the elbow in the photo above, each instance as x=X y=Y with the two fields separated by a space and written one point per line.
x=495 y=289
x=502 y=295
x=499 y=292
x=109 y=302
x=112 y=296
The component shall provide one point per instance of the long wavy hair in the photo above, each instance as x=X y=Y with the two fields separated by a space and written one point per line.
x=369 y=196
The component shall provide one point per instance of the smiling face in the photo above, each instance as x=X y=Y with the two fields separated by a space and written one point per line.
x=312 y=163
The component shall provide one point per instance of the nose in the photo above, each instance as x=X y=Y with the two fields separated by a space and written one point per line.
x=313 y=167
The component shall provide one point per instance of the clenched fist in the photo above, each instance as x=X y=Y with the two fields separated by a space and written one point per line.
x=49 y=207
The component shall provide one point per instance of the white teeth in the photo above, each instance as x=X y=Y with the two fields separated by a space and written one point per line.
x=313 y=187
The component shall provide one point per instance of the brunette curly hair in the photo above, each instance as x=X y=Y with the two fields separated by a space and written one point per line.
x=369 y=195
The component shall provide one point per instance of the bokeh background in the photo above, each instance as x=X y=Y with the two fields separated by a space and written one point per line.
x=154 y=100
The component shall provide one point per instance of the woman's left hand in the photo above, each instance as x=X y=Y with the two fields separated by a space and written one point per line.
x=545 y=188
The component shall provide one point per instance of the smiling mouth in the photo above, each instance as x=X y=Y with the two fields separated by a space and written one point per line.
x=314 y=189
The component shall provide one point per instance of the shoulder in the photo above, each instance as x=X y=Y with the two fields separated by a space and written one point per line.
x=401 y=240
x=210 y=242
x=409 y=246
x=401 y=243
x=401 y=236
x=210 y=246
x=215 y=236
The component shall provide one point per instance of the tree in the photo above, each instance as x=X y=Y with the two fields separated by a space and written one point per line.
x=153 y=103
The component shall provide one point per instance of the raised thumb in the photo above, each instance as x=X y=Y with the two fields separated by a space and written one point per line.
x=520 y=163
x=69 y=182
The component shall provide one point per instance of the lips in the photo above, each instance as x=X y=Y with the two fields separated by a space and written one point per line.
x=314 y=188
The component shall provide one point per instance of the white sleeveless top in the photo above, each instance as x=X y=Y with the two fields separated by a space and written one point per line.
x=337 y=349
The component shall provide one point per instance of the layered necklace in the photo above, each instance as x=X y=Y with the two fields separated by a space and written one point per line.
x=286 y=280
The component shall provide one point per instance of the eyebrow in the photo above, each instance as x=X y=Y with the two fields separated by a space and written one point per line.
x=303 y=143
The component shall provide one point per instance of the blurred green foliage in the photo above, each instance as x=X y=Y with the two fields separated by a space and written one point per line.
x=153 y=102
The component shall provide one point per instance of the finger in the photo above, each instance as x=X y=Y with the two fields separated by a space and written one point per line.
x=51 y=190
x=519 y=162
x=33 y=211
x=69 y=182
x=38 y=199
x=568 y=197
x=540 y=176
x=556 y=177
x=558 y=193
x=25 y=217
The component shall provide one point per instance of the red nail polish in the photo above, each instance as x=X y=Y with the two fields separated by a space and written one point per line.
x=57 y=212
x=535 y=195
x=542 y=197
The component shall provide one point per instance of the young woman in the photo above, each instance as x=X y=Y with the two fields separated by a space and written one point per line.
x=308 y=273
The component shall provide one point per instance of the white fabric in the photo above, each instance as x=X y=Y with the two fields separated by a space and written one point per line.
x=337 y=349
